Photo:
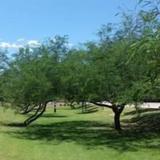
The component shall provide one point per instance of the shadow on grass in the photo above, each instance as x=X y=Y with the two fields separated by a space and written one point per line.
x=88 y=112
x=138 y=133
x=14 y=124
x=53 y=115
x=142 y=111
x=48 y=115
x=89 y=109
x=148 y=122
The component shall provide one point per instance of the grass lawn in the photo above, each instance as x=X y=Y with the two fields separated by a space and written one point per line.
x=70 y=135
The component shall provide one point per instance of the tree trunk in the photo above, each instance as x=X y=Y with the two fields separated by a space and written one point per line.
x=28 y=109
x=83 y=107
x=41 y=109
x=117 y=124
x=72 y=105
x=55 y=107
x=117 y=109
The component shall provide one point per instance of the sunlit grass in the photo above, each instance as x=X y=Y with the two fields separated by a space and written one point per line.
x=70 y=135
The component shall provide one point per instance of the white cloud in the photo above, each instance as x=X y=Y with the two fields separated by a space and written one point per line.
x=33 y=43
x=20 y=43
x=10 y=45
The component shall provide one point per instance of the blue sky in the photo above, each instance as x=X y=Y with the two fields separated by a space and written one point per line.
x=32 y=20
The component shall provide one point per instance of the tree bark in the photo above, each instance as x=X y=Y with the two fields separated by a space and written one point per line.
x=28 y=109
x=41 y=109
x=117 y=124
x=117 y=109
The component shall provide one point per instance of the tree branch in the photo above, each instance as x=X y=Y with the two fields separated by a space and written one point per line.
x=28 y=109
x=102 y=105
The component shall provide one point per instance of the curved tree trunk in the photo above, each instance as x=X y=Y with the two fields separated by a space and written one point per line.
x=41 y=109
x=28 y=109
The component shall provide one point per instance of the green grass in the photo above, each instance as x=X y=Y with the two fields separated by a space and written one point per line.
x=70 y=135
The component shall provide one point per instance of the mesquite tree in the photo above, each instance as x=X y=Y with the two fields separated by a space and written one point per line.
x=122 y=68
x=32 y=79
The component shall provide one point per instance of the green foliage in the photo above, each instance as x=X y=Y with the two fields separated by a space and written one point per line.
x=122 y=67
x=33 y=76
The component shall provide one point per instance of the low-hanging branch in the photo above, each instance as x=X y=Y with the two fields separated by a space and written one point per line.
x=27 y=109
x=117 y=110
x=102 y=105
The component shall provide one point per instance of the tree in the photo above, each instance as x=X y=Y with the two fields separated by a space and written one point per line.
x=74 y=70
x=3 y=66
x=32 y=80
